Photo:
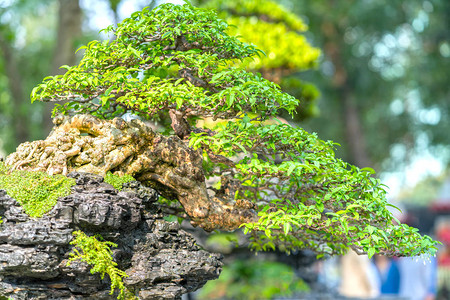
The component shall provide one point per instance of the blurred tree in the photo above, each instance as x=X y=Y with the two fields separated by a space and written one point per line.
x=253 y=279
x=114 y=5
x=426 y=191
x=67 y=41
x=279 y=33
x=385 y=92
x=24 y=46
x=14 y=80
x=36 y=37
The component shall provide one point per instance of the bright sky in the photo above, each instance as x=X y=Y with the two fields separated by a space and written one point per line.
x=100 y=16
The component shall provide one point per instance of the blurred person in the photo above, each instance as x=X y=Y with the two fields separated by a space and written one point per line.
x=418 y=277
x=358 y=276
x=418 y=274
x=388 y=274
x=443 y=234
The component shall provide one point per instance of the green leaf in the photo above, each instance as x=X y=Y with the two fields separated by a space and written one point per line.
x=287 y=228
x=393 y=206
x=370 y=229
x=81 y=48
x=368 y=170
x=246 y=119
x=353 y=206
x=291 y=168
x=179 y=102
x=319 y=205
x=166 y=35
x=230 y=99
x=108 y=91
x=344 y=225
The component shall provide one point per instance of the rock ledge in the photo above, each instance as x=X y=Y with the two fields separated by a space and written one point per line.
x=161 y=260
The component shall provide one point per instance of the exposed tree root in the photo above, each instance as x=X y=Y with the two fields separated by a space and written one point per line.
x=85 y=143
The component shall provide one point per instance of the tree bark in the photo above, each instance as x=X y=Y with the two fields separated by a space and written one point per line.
x=20 y=122
x=69 y=30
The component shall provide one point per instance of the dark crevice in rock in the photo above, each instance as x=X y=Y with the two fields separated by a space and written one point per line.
x=162 y=260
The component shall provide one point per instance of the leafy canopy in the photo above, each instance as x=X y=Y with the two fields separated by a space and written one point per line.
x=182 y=59
x=154 y=65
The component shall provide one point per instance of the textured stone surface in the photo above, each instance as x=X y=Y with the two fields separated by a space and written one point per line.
x=161 y=260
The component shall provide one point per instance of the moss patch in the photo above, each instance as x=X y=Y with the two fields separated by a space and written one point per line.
x=98 y=255
x=37 y=192
x=117 y=181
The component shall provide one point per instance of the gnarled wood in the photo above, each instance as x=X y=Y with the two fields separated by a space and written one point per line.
x=85 y=143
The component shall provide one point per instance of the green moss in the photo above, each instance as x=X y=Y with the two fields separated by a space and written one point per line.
x=37 y=192
x=98 y=254
x=117 y=181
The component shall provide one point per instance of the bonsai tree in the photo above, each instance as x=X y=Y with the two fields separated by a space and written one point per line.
x=281 y=184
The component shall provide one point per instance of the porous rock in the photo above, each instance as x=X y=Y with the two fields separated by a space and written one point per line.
x=161 y=260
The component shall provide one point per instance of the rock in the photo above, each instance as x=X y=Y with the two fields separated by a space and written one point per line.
x=161 y=260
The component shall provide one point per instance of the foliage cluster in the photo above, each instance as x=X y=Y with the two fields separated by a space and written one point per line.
x=180 y=59
x=279 y=33
x=37 y=192
x=253 y=279
x=272 y=11
x=273 y=29
x=98 y=254
x=117 y=181
x=311 y=192
x=152 y=66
